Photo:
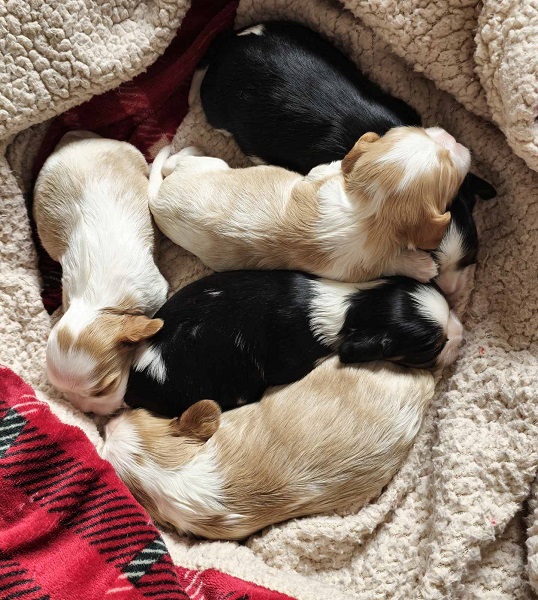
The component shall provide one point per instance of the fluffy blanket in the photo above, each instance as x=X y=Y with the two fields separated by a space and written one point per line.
x=460 y=520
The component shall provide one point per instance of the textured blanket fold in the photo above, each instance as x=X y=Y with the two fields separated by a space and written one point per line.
x=460 y=519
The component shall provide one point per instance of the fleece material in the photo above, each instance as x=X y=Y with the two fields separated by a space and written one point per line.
x=460 y=518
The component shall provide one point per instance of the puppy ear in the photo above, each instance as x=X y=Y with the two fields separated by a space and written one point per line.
x=358 y=149
x=362 y=349
x=430 y=234
x=138 y=328
x=477 y=186
x=200 y=420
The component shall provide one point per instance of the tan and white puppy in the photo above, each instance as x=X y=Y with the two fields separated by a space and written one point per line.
x=92 y=215
x=334 y=438
x=352 y=220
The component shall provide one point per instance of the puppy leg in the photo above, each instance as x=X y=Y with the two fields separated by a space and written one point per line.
x=194 y=92
x=416 y=264
x=322 y=171
x=192 y=163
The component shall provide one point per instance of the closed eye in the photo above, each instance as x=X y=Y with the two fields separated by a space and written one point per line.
x=109 y=389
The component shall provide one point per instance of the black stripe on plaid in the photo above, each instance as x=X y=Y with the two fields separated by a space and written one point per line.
x=16 y=582
x=115 y=525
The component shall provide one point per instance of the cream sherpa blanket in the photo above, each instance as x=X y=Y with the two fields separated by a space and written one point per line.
x=460 y=520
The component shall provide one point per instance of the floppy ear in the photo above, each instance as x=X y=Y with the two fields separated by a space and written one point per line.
x=477 y=186
x=200 y=420
x=362 y=349
x=138 y=328
x=358 y=149
x=430 y=234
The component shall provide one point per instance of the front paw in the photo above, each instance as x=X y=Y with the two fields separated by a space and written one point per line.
x=172 y=162
x=420 y=266
x=191 y=151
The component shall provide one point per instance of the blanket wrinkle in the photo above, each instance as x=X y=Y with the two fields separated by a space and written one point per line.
x=449 y=526
x=56 y=56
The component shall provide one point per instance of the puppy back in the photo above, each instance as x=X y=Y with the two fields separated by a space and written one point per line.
x=63 y=194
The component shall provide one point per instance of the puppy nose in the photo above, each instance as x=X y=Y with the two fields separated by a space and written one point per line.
x=442 y=137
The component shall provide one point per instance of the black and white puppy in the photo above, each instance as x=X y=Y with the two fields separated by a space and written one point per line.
x=229 y=336
x=292 y=99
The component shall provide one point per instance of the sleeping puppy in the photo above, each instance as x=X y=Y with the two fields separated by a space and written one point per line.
x=230 y=335
x=457 y=254
x=352 y=220
x=252 y=85
x=332 y=439
x=91 y=210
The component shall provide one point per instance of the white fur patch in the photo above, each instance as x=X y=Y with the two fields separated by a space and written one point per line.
x=148 y=357
x=224 y=132
x=329 y=305
x=452 y=279
x=336 y=229
x=326 y=170
x=452 y=248
x=184 y=495
x=416 y=153
x=455 y=336
x=460 y=155
x=432 y=305
x=194 y=91
x=255 y=30
x=256 y=160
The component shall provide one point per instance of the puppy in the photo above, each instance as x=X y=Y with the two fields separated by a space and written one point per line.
x=91 y=210
x=334 y=438
x=457 y=254
x=352 y=220
x=230 y=335
x=252 y=85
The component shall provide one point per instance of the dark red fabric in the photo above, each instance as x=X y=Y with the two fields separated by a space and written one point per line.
x=143 y=111
x=70 y=529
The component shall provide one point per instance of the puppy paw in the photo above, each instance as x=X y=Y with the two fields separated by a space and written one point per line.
x=419 y=265
x=172 y=162
x=191 y=151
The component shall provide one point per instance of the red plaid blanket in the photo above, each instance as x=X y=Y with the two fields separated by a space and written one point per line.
x=145 y=111
x=69 y=528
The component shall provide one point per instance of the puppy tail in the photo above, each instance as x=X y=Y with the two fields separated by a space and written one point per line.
x=156 y=173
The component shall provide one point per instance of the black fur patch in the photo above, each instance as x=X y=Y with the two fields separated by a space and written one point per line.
x=229 y=336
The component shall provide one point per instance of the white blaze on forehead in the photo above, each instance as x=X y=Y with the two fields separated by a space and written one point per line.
x=432 y=305
x=416 y=153
x=452 y=248
x=150 y=358
x=69 y=369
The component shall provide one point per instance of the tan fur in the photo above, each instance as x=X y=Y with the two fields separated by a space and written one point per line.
x=334 y=438
x=360 y=147
x=57 y=188
x=65 y=338
x=92 y=215
x=414 y=216
x=268 y=217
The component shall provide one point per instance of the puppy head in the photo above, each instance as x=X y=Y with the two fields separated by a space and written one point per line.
x=89 y=356
x=144 y=448
x=456 y=256
x=402 y=321
x=407 y=179
x=140 y=436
